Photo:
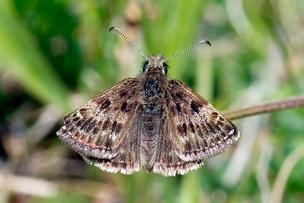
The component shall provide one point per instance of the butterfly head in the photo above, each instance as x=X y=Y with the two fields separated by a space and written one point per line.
x=155 y=63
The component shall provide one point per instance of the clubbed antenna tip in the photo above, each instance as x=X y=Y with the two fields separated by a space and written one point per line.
x=127 y=39
x=111 y=29
x=191 y=47
x=205 y=42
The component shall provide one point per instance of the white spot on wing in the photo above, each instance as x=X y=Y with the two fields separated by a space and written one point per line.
x=113 y=136
x=231 y=132
x=79 y=114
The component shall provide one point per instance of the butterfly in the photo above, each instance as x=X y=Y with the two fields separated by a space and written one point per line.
x=149 y=122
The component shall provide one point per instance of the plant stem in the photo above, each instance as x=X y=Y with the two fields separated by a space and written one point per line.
x=266 y=107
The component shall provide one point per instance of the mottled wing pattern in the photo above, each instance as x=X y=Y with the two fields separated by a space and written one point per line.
x=198 y=131
x=100 y=129
x=126 y=162
x=168 y=162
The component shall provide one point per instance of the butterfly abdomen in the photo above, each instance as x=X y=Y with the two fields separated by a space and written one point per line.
x=150 y=134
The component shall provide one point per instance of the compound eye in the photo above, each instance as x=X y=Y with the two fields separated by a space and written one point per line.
x=165 y=68
x=145 y=66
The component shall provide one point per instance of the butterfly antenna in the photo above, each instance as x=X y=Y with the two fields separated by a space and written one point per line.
x=127 y=39
x=191 y=47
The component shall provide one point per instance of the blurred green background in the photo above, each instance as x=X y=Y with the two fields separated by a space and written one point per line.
x=55 y=55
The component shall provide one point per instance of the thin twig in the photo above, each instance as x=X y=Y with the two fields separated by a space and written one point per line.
x=266 y=107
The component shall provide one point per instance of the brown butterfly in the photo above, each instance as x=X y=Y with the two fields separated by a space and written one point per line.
x=148 y=122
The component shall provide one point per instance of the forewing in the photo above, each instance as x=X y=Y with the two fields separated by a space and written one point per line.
x=198 y=130
x=100 y=128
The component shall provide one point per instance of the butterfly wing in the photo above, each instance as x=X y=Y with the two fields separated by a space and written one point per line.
x=126 y=162
x=168 y=162
x=100 y=129
x=198 y=130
